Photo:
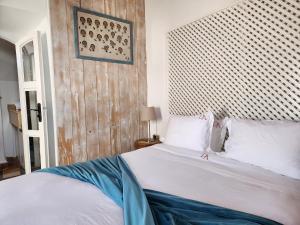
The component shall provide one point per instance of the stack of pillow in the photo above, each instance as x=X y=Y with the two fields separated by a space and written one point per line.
x=273 y=145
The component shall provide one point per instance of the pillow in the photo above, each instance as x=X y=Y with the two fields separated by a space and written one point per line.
x=218 y=135
x=273 y=145
x=191 y=132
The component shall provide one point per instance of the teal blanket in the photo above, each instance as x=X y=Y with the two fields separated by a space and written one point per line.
x=146 y=207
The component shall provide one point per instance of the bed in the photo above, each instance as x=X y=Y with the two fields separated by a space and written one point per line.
x=227 y=74
x=42 y=198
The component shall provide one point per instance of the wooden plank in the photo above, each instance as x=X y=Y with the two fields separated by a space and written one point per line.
x=62 y=80
x=123 y=71
x=77 y=90
x=90 y=83
x=141 y=61
x=110 y=9
x=115 y=131
x=103 y=109
x=90 y=93
x=133 y=81
x=103 y=99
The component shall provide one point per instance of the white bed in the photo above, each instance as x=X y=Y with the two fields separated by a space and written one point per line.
x=42 y=199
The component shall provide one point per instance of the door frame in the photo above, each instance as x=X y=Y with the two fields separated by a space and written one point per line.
x=37 y=85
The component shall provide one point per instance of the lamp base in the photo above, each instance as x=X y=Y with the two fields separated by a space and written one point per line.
x=155 y=137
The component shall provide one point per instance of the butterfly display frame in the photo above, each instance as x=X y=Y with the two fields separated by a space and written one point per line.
x=102 y=37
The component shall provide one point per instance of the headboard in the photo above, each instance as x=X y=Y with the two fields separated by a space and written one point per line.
x=243 y=62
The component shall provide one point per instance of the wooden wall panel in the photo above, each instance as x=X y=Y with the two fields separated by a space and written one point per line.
x=141 y=60
x=98 y=103
x=62 y=80
x=77 y=91
x=133 y=80
x=103 y=99
x=90 y=97
x=121 y=12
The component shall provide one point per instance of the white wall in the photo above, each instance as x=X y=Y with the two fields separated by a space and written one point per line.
x=9 y=91
x=17 y=17
x=8 y=64
x=163 y=16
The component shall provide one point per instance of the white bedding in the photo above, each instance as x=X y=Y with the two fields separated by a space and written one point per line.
x=42 y=199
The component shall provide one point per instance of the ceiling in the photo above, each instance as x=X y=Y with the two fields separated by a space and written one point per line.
x=17 y=17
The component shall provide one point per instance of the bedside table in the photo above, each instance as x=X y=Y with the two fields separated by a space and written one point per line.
x=142 y=143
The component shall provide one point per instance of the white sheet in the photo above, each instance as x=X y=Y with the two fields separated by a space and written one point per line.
x=47 y=199
x=219 y=181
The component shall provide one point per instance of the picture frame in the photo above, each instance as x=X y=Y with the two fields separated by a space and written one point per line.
x=102 y=37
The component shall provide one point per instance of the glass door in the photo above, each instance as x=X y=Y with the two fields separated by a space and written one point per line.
x=30 y=72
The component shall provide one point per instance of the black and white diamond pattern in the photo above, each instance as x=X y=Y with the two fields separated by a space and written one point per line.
x=243 y=61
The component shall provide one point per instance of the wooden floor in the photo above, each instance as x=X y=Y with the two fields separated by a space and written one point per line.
x=11 y=169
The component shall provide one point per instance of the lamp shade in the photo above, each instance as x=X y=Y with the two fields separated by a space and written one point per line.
x=148 y=113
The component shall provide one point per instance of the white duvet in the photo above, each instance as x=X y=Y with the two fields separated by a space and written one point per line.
x=47 y=199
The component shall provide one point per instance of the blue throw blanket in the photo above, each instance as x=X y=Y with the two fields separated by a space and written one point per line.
x=146 y=207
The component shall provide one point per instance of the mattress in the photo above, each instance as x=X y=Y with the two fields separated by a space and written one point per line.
x=44 y=199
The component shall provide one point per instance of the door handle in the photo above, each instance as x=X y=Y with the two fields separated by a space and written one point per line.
x=39 y=112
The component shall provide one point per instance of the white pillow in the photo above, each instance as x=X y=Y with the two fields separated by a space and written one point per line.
x=191 y=132
x=273 y=145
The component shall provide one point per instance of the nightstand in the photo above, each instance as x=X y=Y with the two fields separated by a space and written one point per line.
x=142 y=143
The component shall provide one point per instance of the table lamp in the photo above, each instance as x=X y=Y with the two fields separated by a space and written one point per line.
x=148 y=114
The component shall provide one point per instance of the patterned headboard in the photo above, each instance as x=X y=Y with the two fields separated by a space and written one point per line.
x=243 y=61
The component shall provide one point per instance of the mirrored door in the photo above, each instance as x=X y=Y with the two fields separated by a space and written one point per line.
x=30 y=73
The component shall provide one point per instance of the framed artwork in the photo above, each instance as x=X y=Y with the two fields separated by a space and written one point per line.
x=102 y=37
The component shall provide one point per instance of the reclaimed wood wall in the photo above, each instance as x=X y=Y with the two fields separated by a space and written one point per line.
x=97 y=103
